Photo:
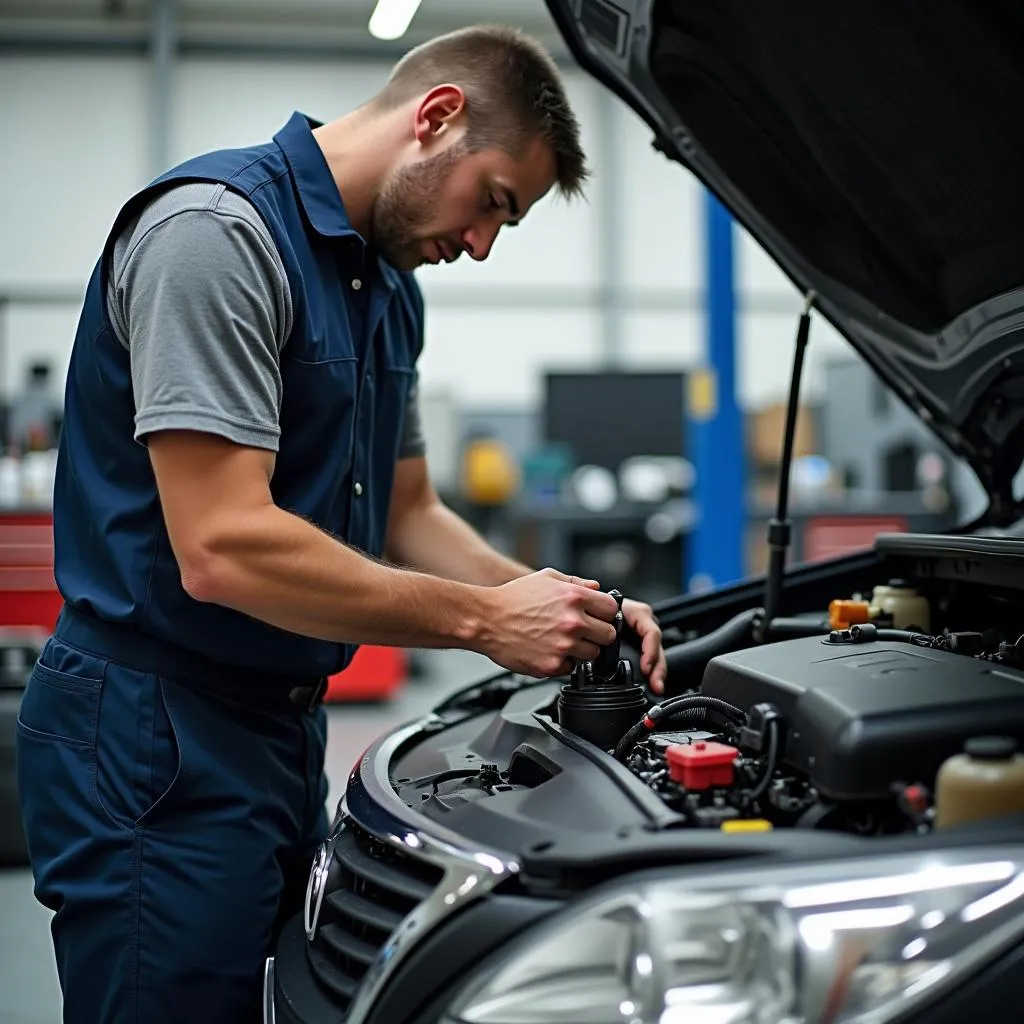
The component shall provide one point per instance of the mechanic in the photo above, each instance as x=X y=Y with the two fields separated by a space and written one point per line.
x=243 y=497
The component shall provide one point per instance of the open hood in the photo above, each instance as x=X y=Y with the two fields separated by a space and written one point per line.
x=876 y=151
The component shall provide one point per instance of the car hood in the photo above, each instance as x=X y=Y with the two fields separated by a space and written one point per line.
x=874 y=151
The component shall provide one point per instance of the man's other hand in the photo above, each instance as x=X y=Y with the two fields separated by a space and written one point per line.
x=640 y=618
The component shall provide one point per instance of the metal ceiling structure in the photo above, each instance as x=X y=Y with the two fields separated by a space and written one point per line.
x=264 y=28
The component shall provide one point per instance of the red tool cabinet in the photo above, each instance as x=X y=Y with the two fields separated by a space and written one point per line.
x=29 y=597
x=28 y=594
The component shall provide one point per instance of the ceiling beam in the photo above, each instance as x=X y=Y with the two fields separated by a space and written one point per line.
x=264 y=32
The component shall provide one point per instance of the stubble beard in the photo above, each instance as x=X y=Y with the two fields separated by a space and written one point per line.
x=406 y=202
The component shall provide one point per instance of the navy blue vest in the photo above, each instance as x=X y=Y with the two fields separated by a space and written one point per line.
x=347 y=368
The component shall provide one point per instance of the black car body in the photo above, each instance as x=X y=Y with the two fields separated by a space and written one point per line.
x=776 y=845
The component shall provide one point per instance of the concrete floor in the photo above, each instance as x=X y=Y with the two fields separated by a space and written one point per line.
x=29 y=992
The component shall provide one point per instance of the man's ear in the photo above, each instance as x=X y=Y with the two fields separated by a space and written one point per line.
x=438 y=111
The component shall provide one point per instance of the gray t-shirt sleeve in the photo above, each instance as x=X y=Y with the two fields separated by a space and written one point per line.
x=413 y=444
x=198 y=295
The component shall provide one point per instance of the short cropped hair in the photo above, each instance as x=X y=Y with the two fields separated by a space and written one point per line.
x=514 y=94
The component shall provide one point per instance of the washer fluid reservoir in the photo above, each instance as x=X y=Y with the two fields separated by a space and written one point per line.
x=904 y=604
x=985 y=781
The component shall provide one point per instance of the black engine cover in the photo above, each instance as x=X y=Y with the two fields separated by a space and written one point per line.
x=860 y=717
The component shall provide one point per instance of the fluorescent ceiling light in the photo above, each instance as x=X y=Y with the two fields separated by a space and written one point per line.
x=391 y=18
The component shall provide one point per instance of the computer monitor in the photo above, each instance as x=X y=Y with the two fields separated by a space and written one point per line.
x=606 y=417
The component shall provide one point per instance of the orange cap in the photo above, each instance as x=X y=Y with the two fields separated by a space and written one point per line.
x=843 y=614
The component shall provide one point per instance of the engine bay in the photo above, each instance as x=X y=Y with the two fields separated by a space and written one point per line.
x=893 y=711
x=846 y=731
x=876 y=722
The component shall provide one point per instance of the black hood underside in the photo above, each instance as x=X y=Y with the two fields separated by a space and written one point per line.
x=883 y=140
x=875 y=150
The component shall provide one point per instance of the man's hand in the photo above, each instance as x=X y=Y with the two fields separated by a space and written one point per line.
x=536 y=624
x=640 y=618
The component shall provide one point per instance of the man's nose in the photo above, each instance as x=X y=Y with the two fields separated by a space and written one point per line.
x=479 y=240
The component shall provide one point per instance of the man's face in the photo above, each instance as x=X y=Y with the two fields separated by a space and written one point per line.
x=455 y=201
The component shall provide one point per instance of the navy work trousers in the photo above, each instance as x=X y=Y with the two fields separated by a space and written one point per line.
x=170 y=830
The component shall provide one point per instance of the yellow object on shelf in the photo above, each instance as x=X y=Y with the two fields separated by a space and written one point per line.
x=489 y=473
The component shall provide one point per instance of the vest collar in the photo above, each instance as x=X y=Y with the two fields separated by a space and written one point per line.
x=315 y=184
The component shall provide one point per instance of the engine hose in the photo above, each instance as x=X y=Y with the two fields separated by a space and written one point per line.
x=638 y=731
x=677 y=707
x=787 y=629
x=626 y=744
x=868 y=632
x=773 y=756
x=690 y=658
x=698 y=700
x=697 y=715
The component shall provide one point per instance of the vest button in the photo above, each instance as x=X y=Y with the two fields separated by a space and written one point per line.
x=356 y=284
x=358 y=488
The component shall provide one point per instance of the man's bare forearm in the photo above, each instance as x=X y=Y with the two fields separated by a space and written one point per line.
x=278 y=568
x=433 y=539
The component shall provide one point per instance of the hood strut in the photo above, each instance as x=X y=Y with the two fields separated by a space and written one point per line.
x=779 y=527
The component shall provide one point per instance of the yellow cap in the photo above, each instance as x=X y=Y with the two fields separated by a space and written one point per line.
x=750 y=825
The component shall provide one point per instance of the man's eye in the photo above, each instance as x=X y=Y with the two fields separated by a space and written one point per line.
x=493 y=203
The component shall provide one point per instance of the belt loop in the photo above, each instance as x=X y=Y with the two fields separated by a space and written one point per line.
x=309 y=697
x=319 y=692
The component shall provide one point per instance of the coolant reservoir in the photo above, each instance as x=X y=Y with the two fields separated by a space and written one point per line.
x=985 y=781
x=901 y=601
x=875 y=604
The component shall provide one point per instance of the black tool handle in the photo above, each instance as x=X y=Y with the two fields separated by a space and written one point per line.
x=606 y=664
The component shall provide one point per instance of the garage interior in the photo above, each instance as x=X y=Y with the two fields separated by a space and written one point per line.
x=568 y=385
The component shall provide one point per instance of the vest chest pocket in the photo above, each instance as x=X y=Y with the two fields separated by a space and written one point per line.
x=318 y=411
x=392 y=400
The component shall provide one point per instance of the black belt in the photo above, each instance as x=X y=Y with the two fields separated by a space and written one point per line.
x=126 y=646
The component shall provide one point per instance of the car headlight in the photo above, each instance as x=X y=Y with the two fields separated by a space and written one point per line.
x=843 y=941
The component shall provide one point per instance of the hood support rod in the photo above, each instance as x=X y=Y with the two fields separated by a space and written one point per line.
x=780 y=527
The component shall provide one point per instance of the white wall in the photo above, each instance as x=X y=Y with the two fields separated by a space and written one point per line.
x=74 y=132
x=74 y=140
x=78 y=129
x=218 y=102
x=662 y=245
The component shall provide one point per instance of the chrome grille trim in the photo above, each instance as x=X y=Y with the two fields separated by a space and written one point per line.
x=371 y=803
x=269 y=1013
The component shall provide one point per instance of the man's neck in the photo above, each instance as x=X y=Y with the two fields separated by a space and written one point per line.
x=357 y=148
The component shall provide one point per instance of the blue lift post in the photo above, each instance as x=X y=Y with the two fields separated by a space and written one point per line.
x=715 y=428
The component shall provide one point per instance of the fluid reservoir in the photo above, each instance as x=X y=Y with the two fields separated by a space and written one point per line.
x=875 y=603
x=904 y=604
x=985 y=781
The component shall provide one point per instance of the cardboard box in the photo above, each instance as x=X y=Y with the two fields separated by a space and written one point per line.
x=766 y=428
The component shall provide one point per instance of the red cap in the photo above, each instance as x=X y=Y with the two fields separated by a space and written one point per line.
x=702 y=765
x=916 y=798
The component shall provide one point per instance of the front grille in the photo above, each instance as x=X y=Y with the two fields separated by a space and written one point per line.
x=375 y=886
